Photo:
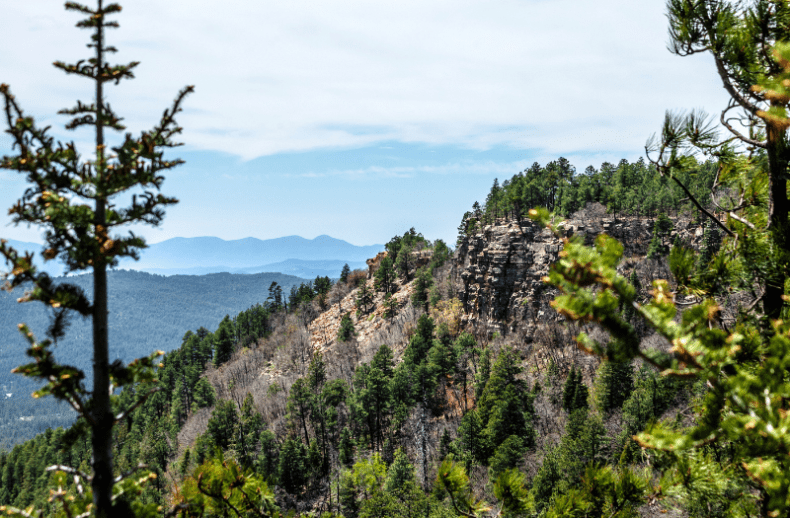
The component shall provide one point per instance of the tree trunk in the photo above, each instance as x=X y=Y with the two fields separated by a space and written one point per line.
x=101 y=437
x=423 y=452
x=777 y=213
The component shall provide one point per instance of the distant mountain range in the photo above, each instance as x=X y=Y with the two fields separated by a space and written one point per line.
x=292 y=255
x=296 y=267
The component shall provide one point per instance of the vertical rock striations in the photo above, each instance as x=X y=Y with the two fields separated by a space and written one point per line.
x=497 y=272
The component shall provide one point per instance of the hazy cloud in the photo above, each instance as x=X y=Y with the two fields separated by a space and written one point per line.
x=562 y=76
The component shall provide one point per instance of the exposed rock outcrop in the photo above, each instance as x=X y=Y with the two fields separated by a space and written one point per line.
x=323 y=330
x=497 y=272
x=373 y=263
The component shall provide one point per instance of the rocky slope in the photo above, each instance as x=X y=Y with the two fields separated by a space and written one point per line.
x=323 y=330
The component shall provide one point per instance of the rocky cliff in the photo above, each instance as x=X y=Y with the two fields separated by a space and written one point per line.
x=497 y=271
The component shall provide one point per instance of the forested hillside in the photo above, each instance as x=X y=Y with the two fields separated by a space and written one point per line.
x=625 y=189
x=354 y=415
x=147 y=313
x=612 y=344
x=372 y=397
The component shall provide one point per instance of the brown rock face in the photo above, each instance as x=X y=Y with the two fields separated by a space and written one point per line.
x=373 y=263
x=497 y=273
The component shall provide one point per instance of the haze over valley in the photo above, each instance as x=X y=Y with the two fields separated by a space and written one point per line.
x=292 y=255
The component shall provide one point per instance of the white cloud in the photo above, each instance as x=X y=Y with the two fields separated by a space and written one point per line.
x=563 y=76
x=485 y=168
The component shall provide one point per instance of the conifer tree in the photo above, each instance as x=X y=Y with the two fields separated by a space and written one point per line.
x=441 y=253
x=385 y=276
x=614 y=384
x=574 y=393
x=222 y=424
x=344 y=273
x=346 y=331
x=628 y=310
x=711 y=242
x=658 y=244
x=404 y=262
x=75 y=202
x=390 y=306
x=247 y=433
x=749 y=46
x=275 y=295
x=223 y=342
x=322 y=285
x=346 y=448
x=364 y=297
x=422 y=286
x=294 y=464
x=465 y=228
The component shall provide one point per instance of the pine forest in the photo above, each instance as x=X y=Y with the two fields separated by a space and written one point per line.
x=612 y=342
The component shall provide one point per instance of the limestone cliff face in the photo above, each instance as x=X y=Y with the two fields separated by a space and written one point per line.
x=497 y=272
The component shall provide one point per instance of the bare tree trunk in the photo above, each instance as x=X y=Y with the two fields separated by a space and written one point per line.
x=423 y=453
x=101 y=437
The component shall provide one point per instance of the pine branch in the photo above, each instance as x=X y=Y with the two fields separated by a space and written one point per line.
x=68 y=469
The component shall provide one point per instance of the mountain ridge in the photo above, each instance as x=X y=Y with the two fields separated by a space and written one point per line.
x=201 y=255
x=250 y=252
x=298 y=267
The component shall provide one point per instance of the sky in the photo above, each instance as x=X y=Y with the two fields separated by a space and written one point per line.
x=358 y=119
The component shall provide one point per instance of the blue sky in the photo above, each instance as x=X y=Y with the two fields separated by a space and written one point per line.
x=360 y=119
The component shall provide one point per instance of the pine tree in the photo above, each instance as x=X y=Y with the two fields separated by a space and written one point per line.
x=385 y=276
x=658 y=244
x=247 y=433
x=465 y=228
x=364 y=297
x=322 y=285
x=399 y=474
x=628 y=309
x=222 y=424
x=300 y=401
x=422 y=286
x=346 y=331
x=614 y=384
x=344 y=273
x=711 y=242
x=275 y=295
x=441 y=253
x=346 y=448
x=404 y=262
x=390 y=306
x=76 y=203
x=574 y=393
x=493 y=201
x=220 y=487
x=294 y=464
x=505 y=405
x=223 y=342
x=508 y=455
x=748 y=43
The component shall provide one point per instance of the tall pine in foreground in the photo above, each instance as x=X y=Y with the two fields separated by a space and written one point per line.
x=76 y=203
